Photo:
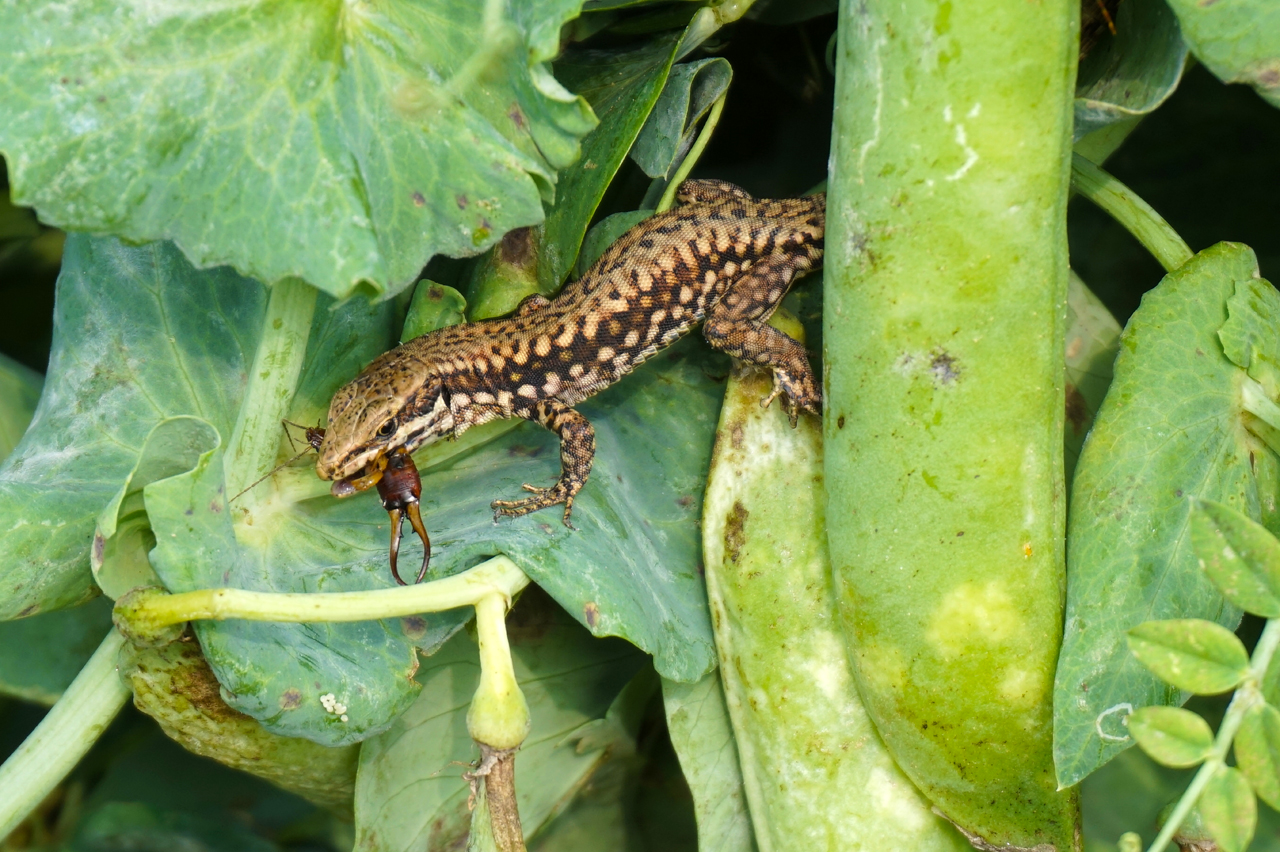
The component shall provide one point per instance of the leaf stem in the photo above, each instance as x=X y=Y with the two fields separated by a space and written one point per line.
x=691 y=159
x=1249 y=693
x=63 y=736
x=1136 y=215
x=277 y=363
x=499 y=716
x=151 y=613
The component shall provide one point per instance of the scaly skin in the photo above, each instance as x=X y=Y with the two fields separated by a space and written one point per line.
x=720 y=256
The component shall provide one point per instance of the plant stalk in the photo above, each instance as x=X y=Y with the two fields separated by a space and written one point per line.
x=691 y=159
x=1137 y=216
x=498 y=721
x=498 y=576
x=1249 y=693
x=273 y=378
x=62 y=738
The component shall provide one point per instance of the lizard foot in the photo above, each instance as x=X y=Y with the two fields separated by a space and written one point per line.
x=541 y=499
x=796 y=396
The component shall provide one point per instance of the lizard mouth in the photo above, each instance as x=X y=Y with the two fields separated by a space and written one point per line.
x=362 y=480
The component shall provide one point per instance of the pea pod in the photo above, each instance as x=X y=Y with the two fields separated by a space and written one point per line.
x=943 y=331
x=804 y=740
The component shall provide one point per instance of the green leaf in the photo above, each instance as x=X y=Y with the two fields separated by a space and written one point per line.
x=1127 y=793
x=1257 y=747
x=1249 y=335
x=604 y=813
x=342 y=144
x=698 y=720
x=1240 y=556
x=568 y=679
x=1229 y=809
x=1192 y=654
x=19 y=391
x=41 y=655
x=622 y=88
x=137 y=826
x=433 y=306
x=132 y=346
x=1239 y=41
x=1171 y=735
x=1171 y=426
x=1133 y=72
x=1093 y=338
x=136 y=762
x=672 y=126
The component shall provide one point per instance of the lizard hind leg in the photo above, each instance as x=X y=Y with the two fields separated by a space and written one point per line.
x=737 y=326
x=577 y=452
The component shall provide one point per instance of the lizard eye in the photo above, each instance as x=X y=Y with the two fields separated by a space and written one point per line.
x=387 y=428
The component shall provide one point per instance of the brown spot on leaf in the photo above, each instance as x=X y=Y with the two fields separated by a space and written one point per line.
x=215 y=506
x=449 y=831
x=944 y=367
x=1264 y=73
x=1077 y=408
x=29 y=611
x=591 y=614
x=419 y=200
x=290 y=699
x=99 y=548
x=840 y=422
x=194 y=680
x=462 y=201
x=735 y=530
x=517 y=248
x=414 y=626
x=516 y=116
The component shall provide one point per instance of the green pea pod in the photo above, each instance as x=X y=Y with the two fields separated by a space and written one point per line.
x=817 y=777
x=943 y=315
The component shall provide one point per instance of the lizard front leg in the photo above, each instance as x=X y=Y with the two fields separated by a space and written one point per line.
x=737 y=325
x=577 y=451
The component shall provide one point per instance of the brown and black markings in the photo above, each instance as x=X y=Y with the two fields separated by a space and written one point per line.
x=721 y=258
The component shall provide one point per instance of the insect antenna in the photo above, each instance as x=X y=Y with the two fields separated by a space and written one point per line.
x=314 y=436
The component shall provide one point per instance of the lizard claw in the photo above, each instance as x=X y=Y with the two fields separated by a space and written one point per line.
x=789 y=404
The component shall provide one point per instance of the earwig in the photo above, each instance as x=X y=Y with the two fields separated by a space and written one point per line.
x=399 y=487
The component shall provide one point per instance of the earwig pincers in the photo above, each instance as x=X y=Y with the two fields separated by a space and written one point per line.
x=399 y=487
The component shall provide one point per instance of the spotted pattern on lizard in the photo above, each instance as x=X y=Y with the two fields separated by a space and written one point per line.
x=720 y=257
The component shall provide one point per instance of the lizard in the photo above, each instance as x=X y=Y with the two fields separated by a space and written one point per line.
x=719 y=257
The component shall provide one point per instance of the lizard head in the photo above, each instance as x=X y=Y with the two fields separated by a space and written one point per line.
x=398 y=402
